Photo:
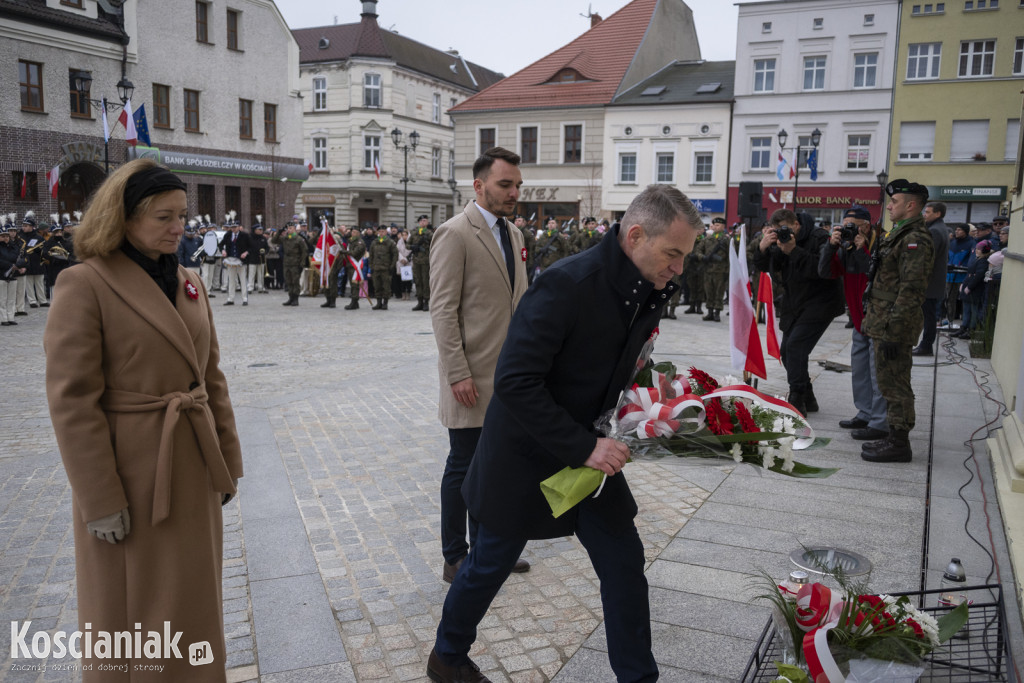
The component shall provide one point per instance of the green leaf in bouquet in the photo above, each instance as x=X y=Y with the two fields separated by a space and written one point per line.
x=952 y=621
x=569 y=486
x=791 y=673
x=741 y=437
x=802 y=471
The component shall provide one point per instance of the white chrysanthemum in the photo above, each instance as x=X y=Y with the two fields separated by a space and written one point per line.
x=737 y=453
x=777 y=425
x=767 y=456
x=787 y=424
x=730 y=380
x=786 y=451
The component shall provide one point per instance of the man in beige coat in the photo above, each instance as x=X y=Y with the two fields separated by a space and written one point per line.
x=477 y=276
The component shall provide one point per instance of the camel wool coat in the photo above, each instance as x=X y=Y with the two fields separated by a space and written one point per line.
x=143 y=420
x=471 y=306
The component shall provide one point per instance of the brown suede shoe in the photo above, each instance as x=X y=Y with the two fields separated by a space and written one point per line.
x=522 y=566
x=443 y=673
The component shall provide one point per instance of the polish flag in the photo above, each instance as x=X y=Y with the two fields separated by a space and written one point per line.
x=376 y=167
x=24 y=183
x=309 y=165
x=745 y=342
x=765 y=296
x=52 y=176
x=326 y=249
x=128 y=121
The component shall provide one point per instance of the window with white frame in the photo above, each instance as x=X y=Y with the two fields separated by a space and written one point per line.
x=869 y=19
x=819 y=23
x=703 y=167
x=627 y=168
x=814 y=73
x=858 y=151
x=572 y=135
x=923 y=60
x=320 y=93
x=980 y=4
x=319 y=153
x=917 y=140
x=664 y=167
x=766 y=27
x=435 y=162
x=1018 y=58
x=977 y=57
x=371 y=151
x=1012 y=136
x=969 y=140
x=760 y=153
x=929 y=8
x=764 y=75
x=436 y=111
x=371 y=90
x=865 y=68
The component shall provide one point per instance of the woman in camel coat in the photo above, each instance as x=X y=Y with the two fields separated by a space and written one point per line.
x=145 y=428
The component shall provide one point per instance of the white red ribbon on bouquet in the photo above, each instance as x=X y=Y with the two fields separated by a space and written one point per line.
x=817 y=612
x=804 y=435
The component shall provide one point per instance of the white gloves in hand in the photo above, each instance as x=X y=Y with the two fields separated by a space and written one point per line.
x=112 y=528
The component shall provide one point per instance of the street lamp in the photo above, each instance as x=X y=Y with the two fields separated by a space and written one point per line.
x=883 y=180
x=414 y=139
x=125 y=88
x=815 y=140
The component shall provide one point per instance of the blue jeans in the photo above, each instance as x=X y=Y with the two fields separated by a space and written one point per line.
x=453 y=507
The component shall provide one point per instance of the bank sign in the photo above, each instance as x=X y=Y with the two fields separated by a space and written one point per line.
x=205 y=164
x=966 y=193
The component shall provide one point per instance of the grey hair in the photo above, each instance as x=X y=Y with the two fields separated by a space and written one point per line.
x=657 y=207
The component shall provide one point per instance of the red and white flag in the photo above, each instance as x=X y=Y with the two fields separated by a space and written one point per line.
x=309 y=165
x=765 y=296
x=52 y=176
x=24 y=183
x=745 y=342
x=376 y=167
x=128 y=121
x=326 y=249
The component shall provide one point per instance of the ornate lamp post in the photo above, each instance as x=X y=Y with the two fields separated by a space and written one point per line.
x=125 y=88
x=815 y=140
x=414 y=139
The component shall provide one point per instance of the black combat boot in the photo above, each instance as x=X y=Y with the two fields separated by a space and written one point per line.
x=671 y=315
x=353 y=305
x=699 y=311
x=812 y=403
x=426 y=304
x=327 y=304
x=380 y=305
x=718 y=319
x=295 y=300
x=419 y=304
x=384 y=306
x=289 y=302
x=691 y=309
x=893 y=448
x=709 y=316
x=798 y=400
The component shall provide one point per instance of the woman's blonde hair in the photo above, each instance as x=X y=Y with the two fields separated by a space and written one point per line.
x=104 y=224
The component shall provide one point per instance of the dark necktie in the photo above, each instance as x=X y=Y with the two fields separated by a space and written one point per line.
x=506 y=246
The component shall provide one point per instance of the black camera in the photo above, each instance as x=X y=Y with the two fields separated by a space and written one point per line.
x=783 y=234
x=849 y=232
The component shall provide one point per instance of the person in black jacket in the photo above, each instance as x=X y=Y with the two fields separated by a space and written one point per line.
x=12 y=264
x=190 y=254
x=972 y=291
x=571 y=347
x=789 y=251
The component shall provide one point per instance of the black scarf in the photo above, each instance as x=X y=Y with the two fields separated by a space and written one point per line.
x=164 y=270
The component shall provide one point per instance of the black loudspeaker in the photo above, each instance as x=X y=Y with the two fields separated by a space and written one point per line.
x=749 y=203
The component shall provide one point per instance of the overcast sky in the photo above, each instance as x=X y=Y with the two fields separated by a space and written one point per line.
x=531 y=28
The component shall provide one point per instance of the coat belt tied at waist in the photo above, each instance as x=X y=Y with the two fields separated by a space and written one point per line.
x=195 y=405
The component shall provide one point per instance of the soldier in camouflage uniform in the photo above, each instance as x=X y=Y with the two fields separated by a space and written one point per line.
x=419 y=245
x=588 y=236
x=355 y=248
x=899 y=274
x=694 y=275
x=530 y=242
x=551 y=247
x=383 y=257
x=714 y=252
x=295 y=257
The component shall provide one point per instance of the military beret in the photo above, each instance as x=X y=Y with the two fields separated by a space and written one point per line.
x=718 y=219
x=857 y=211
x=423 y=217
x=904 y=186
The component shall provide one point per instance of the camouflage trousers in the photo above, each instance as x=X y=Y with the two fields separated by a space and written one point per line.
x=421 y=278
x=291 y=279
x=894 y=384
x=381 y=283
x=694 y=285
x=714 y=289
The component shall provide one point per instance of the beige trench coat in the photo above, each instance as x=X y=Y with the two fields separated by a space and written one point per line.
x=471 y=306
x=143 y=419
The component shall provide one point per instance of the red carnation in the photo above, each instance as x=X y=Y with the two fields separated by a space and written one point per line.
x=705 y=382
x=719 y=421
x=745 y=419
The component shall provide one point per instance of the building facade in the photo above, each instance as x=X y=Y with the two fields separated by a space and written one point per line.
x=671 y=128
x=360 y=83
x=552 y=113
x=806 y=65
x=956 y=118
x=232 y=133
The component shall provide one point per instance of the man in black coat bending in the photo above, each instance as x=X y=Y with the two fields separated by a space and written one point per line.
x=570 y=350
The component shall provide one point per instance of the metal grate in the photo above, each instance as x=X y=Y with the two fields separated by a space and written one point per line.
x=819 y=558
x=982 y=656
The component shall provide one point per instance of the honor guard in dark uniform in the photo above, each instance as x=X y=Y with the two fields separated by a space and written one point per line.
x=35 y=277
x=552 y=246
x=693 y=274
x=356 y=250
x=256 y=261
x=383 y=257
x=901 y=266
x=419 y=245
x=337 y=267
x=295 y=257
x=530 y=242
x=11 y=264
x=190 y=249
x=588 y=236
x=714 y=252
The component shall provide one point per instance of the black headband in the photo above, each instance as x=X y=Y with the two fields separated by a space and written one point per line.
x=148 y=182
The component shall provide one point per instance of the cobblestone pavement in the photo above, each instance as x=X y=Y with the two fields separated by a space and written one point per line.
x=351 y=398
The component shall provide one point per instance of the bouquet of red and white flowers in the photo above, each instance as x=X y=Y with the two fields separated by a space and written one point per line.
x=693 y=416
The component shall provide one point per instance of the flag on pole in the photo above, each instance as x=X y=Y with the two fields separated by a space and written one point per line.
x=781 y=167
x=309 y=165
x=52 y=176
x=765 y=296
x=106 y=126
x=326 y=249
x=24 y=183
x=376 y=166
x=745 y=342
x=812 y=163
x=130 y=134
x=142 y=125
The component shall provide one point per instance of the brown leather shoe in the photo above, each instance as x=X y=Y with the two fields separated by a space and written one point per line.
x=522 y=566
x=450 y=570
x=443 y=673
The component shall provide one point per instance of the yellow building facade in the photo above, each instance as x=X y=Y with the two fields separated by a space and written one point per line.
x=956 y=108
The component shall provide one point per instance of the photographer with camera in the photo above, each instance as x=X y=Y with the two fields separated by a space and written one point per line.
x=847 y=254
x=789 y=251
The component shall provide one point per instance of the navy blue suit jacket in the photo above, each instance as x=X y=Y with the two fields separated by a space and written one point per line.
x=571 y=347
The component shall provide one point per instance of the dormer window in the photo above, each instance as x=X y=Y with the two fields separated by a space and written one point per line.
x=567 y=76
x=323 y=44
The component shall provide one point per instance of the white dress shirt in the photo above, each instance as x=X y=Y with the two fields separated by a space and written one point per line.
x=492 y=223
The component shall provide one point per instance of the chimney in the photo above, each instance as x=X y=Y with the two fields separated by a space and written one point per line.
x=369 y=9
x=595 y=19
